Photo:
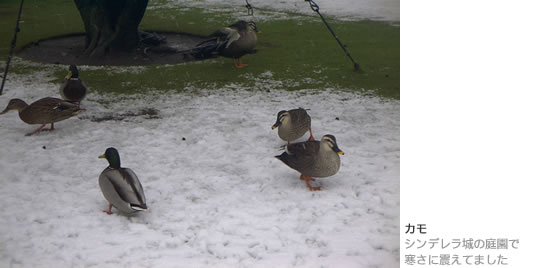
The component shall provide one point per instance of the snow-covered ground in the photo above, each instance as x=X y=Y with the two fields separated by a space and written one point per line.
x=218 y=198
x=387 y=10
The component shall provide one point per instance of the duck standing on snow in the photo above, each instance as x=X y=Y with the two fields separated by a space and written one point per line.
x=313 y=159
x=120 y=186
x=233 y=41
x=73 y=89
x=293 y=124
x=43 y=111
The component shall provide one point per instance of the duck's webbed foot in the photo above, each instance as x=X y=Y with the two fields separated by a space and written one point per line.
x=307 y=179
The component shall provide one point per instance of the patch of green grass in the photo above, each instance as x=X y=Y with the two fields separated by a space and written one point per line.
x=39 y=20
x=298 y=53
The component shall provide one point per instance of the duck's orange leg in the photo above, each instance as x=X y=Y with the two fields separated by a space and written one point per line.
x=311 y=138
x=307 y=179
x=34 y=132
x=238 y=64
x=108 y=211
x=49 y=129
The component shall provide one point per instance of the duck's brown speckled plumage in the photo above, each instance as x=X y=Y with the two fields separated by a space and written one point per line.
x=292 y=124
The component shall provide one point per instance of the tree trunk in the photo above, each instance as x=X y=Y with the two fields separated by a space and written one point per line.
x=111 y=25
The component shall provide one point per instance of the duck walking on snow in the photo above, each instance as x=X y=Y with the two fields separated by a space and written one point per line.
x=293 y=124
x=313 y=159
x=233 y=41
x=120 y=186
x=43 y=111
x=73 y=89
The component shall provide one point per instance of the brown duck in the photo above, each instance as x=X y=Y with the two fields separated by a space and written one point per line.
x=313 y=159
x=233 y=41
x=293 y=124
x=73 y=89
x=43 y=111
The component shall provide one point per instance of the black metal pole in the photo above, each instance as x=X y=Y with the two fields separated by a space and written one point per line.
x=12 y=47
x=315 y=8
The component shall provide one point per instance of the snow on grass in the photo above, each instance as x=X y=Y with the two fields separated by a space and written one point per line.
x=386 y=10
x=217 y=198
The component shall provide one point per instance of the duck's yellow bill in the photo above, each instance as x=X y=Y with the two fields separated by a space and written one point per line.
x=341 y=153
x=69 y=75
x=273 y=127
x=101 y=156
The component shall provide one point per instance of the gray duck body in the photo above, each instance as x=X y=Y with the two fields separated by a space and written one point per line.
x=121 y=188
x=313 y=158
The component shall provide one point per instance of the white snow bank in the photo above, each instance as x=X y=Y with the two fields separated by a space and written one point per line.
x=218 y=198
x=387 y=10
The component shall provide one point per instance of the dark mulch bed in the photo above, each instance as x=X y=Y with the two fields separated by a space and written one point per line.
x=68 y=50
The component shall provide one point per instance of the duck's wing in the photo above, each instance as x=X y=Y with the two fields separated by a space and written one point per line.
x=300 y=155
x=217 y=41
x=304 y=149
x=62 y=106
x=227 y=34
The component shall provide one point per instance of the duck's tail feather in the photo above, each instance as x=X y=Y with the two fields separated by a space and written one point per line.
x=283 y=157
x=206 y=49
x=138 y=206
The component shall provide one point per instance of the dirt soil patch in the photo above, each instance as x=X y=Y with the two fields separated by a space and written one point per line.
x=69 y=49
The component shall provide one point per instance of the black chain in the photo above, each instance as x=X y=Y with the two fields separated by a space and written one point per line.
x=250 y=8
x=313 y=5
x=315 y=8
x=12 y=47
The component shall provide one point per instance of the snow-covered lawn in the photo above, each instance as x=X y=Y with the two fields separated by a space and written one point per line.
x=386 y=10
x=218 y=198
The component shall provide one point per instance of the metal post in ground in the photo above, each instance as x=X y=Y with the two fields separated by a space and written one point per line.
x=12 y=47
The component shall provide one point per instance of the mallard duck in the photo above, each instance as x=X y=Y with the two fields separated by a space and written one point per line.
x=293 y=124
x=313 y=159
x=43 y=111
x=73 y=89
x=120 y=186
x=233 y=41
